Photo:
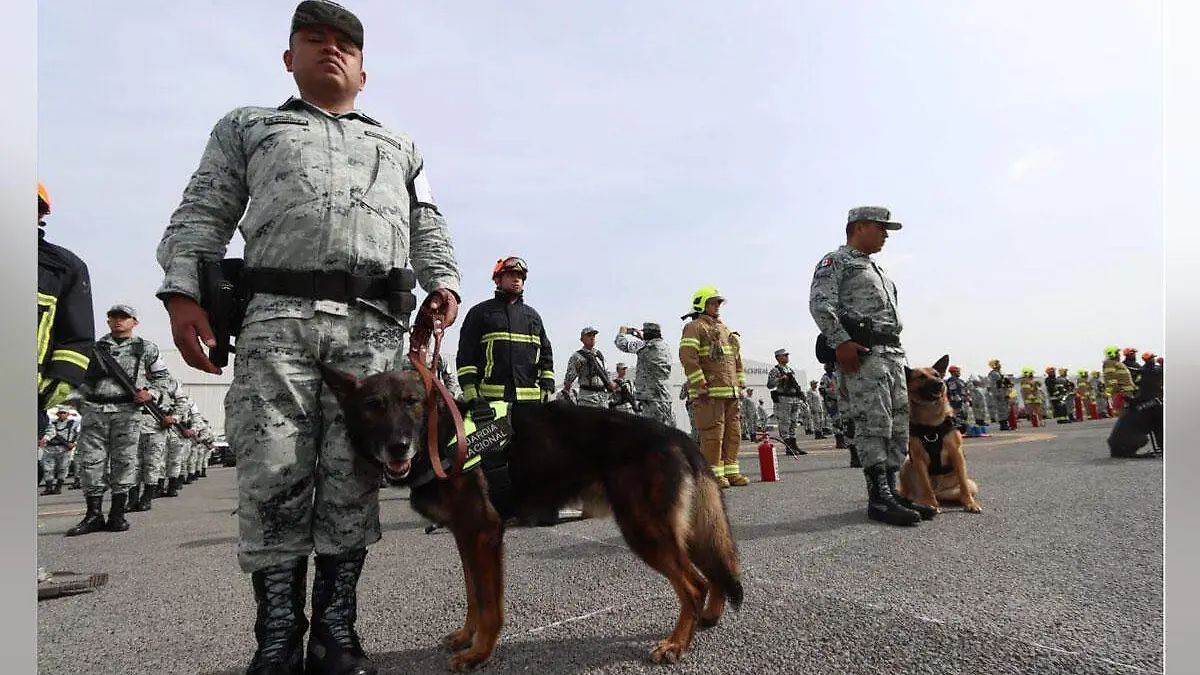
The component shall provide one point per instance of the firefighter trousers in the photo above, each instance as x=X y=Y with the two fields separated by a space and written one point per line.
x=719 y=422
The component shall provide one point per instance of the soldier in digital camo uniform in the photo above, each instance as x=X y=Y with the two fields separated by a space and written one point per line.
x=653 y=369
x=338 y=207
x=854 y=305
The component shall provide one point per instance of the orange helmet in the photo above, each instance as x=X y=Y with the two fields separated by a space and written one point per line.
x=1128 y=350
x=43 y=200
x=510 y=263
x=955 y=370
x=1147 y=356
x=1049 y=370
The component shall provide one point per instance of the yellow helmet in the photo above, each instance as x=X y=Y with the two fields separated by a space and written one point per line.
x=1063 y=371
x=1112 y=352
x=1095 y=373
x=1082 y=372
x=994 y=363
x=701 y=297
x=1027 y=371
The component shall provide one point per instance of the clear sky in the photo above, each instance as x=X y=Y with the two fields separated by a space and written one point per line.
x=632 y=152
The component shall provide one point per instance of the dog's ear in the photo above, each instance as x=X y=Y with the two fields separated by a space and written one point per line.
x=341 y=384
x=907 y=373
x=941 y=365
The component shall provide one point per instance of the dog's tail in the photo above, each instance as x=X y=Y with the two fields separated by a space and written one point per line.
x=711 y=546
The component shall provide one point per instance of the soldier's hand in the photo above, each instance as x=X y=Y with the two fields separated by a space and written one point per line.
x=189 y=433
x=442 y=304
x=847 y=355
x=190 y=327
x=142 y=396
x=168 y=420
x=41 y=442
x=610 y=386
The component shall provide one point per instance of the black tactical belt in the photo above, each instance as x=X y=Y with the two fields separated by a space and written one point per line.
x=790 y=395
x=115 y=398
x=336 y=286
x=592 y=388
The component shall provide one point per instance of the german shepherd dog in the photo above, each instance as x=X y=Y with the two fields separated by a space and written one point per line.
x=936 y=469
x=650 y=477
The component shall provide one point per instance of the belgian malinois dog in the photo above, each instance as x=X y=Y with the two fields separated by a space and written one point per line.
x=935 y=471
x=650 y=477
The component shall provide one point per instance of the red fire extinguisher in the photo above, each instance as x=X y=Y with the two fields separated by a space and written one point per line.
x=768 y=463
x=1093 y=412
x=1078 y=409
x=1012 y=416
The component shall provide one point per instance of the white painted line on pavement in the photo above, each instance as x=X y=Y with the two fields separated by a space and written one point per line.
x=581 y=617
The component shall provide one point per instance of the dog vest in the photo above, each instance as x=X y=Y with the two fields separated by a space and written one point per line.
x=485 y=448
x=932 y=438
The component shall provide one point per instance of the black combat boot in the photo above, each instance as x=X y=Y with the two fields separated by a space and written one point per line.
x=189 y=478
x=854 y=463
x=116 y=514
x=75 y=484
x=927 y=512
x=57 y=487
x=839 y=441
x=333 y=645
x=881 y=504
x=161 y=488
x=1004 y=425
x=134 y=499
x=172 y=487
x=148 y=496
x=280 y=624
x=94 y=520
x=49 y=488
x=793 y=448
x=203 y=472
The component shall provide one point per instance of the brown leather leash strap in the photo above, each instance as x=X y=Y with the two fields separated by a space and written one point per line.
x=418 y=351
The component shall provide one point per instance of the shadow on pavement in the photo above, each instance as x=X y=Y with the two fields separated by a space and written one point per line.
x=833 y=521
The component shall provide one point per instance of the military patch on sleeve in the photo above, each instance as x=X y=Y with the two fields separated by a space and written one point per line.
x=826 y=262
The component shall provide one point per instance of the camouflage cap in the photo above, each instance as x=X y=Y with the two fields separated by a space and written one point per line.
x=122 y=309
x=588 y=330
x=874 y=214
x=620 y=365
x=650 y=325
x=781 y=352
x=326 y=13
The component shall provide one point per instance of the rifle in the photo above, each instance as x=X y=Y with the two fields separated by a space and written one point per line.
x=786 y=378
x=115 y=371
x=624 y=394
x=594 y=364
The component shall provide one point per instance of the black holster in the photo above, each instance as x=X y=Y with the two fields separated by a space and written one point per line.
x=862 y=332
x=223 y=296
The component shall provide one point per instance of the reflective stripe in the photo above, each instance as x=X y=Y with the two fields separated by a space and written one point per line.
x=512 y=337
x=719 y=471
x=695 y=376
x=499 y=407
x=496 y=391
x=732 y=469
x=546 y=374
x=721 y=392
x=689 y=342
x=47 y=310
x=467 y=370
x=72 y=357
x=742 y=379
x=471 y=462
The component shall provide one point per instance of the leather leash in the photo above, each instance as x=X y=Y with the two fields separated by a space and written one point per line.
x=418 y=350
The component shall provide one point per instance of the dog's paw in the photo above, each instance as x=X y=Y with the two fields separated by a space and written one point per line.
x=973 y=507
x=706 y=621
x=459 y=639
x=468 y=659
x=667 y=651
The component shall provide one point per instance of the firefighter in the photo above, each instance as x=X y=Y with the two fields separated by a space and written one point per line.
x=712 y=365
x=1083 y=394
x=66 y=329
x=1031 y=393
x=1118 y=380
x=503 y=352
x=1131 y=362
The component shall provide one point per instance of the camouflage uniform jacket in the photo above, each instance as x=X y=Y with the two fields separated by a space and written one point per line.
x=148 y=372
x=956 y=391
x=711 y=358
x=778 y=382
x=591 y=377
x=848 y=283
x=309 y=191
x=653 y=366
x=61 y=433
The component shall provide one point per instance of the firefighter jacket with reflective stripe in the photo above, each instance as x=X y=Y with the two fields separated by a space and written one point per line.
x=66 y=327
x=503 y=352
x=711 y=358
x=1117 y=377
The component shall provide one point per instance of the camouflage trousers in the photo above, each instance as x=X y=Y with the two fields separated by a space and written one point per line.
x=297 y=488
x=56 y=460
x=694 y=432
x=107 y=452
x=979 y=409
x=820 y=422
x=720 y=425
x=152 y=451
x=197 y=457
x=998 y=405
x=593 y=399
x=787 y=415
x=877 y=397
x=659 y=410
x=177 y=448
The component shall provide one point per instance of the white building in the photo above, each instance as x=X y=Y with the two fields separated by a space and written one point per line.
x=208 y=391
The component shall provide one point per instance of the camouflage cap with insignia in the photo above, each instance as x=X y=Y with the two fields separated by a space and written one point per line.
x=873 y=214
x=781 y=352
x=650 y=325
x=620 y=365
x=122 y=309
x=588 y=330
x=326 y=13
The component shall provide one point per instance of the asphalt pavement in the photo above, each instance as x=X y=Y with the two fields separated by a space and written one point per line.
x=1061 y=573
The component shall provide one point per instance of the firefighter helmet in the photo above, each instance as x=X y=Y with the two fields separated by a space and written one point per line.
x=509 y=264
x=1027 y=372
x=701 y=297
x=1112 y=352
x=1147 y=356
x=955 y=370
x=1082 y=372
x=1128 y=351
x=43 y=200
x=1063 y=371
x=994 y=363
x=1049 y=370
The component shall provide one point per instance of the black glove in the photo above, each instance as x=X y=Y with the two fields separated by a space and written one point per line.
x=481 y=411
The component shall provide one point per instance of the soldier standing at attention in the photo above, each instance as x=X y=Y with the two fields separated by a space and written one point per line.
x=333 y=207
x=587 y=366
x=788 y=397
x=854 y=305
